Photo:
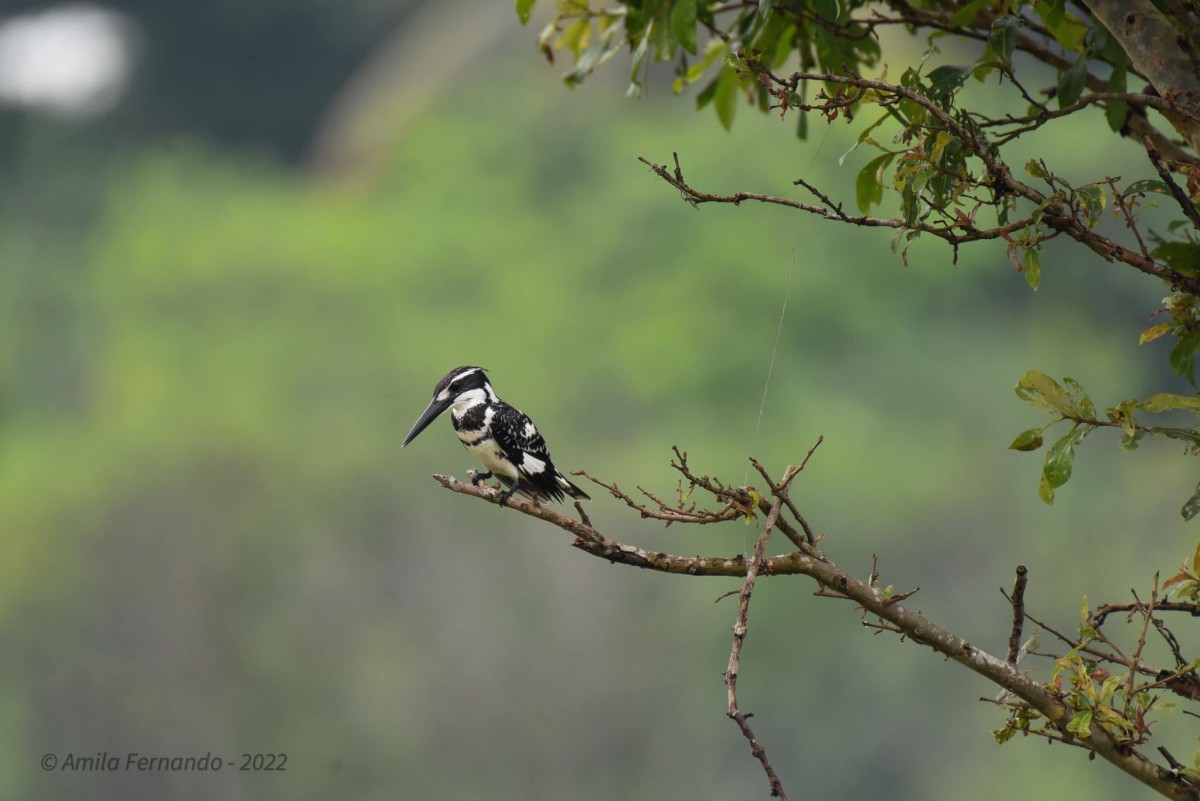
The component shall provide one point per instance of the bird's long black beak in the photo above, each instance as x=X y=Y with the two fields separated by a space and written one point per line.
x=431 y=412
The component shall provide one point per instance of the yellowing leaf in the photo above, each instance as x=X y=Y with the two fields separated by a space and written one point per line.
x=1044 y=393
x=576 y=36
x=1154 y=332
x=1164 y=401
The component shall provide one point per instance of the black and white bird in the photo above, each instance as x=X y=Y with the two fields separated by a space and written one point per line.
x=504 y=439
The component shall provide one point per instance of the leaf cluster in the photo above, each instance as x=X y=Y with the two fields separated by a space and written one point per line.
x=1068 y=402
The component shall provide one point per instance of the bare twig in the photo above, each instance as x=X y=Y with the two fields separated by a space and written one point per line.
x=1018 y=609
x=735 y=653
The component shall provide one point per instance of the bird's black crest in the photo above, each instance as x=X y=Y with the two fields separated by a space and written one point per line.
x=462 y=378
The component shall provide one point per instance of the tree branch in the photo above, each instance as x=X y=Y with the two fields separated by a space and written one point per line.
x=1055 y=216
x=912 y=625
x=1144 y=32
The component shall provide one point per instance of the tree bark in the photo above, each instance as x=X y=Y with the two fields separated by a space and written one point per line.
x=1157 y=51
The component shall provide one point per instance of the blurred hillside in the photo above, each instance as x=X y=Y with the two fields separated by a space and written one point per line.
x=216 y=331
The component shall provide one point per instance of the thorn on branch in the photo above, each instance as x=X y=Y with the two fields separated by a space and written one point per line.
x=900 y=596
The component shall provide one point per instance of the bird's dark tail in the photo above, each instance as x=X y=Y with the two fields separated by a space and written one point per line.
x=546 y=486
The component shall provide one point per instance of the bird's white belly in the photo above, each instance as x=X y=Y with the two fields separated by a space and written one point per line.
x=490 y=456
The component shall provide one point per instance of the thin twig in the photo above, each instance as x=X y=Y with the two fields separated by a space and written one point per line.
x=1185 y=202
x=1147 y=615
x=1104 y=610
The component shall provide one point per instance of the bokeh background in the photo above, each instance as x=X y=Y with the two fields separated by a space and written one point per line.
x=239 y=242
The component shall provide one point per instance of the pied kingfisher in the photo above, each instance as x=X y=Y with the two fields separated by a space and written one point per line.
x=503 y=438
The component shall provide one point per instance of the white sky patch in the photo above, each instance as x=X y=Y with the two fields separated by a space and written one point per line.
x=73 y=59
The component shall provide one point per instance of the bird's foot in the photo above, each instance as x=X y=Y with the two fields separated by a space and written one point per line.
x=508 y=493
x=478 y=478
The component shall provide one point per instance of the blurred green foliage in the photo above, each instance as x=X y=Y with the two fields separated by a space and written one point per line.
x=213 y=542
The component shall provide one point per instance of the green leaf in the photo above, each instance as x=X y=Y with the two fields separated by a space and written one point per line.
x=1117 y=111
x=966 y=15
x=1081 y=724
x=944 y=81
x=1057 y=469
x=726 y=96
x=1130 y=441
x=1071 y=83
x=1187 y=435
x=524 y=9
x=868 y=187
x=1191 y=509
x=1031 y=265
x=1183 y=257
x=1091 y=199
x=1164 y=401
x=1183 y=357
x=683 y=24
x=1003 y=37
x=1045 y=491
x=1147 y=185
x=1029 y=440
x=712 y=51
x=1036 y=169
x=1051 y=11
